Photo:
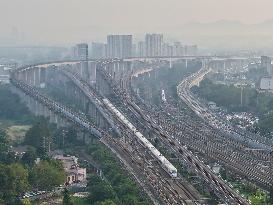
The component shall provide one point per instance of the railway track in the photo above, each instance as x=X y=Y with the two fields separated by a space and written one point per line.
x=176 y=199
x=206 y=140
x=175 y=147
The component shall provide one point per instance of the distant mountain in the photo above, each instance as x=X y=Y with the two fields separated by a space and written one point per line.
x=223 y=22
x=265 y=24
x=227 y=34
x=220 y=23
x=229 y=24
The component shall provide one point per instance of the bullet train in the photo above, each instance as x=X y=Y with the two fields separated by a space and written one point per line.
x=166 y=165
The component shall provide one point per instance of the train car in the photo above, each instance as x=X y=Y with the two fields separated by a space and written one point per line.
x=166 y=165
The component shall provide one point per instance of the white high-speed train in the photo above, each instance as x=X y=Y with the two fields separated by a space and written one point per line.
x=166 y=165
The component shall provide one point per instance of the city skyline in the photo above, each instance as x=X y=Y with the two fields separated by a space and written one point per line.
x=153 y=44
x=40 y=22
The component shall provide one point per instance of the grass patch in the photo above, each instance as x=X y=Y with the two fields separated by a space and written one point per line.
x=79 y=201
x=16 y=133
x=5 y=124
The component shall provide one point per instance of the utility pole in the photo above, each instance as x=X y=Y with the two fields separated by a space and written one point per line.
x=242 y=89
x=49 y=145
x=64 y=132
x=242 y=95
x=44 y=144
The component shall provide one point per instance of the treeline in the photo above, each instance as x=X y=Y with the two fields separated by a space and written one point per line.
x=164 y=78
x=229 y=97
x=11 y=107
x=19 y=175
x=45 y=136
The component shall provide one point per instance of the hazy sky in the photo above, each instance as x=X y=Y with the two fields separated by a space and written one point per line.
x=69 y=20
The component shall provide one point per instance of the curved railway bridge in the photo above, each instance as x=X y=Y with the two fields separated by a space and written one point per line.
x=30 y=80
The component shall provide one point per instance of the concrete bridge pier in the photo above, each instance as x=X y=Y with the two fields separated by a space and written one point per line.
x=77 y=68
x=45 y=111
x=40 y=109
x=29 y=102
x=170 y=63
x=61 y=122
x=31 y=76
x=19 y=75
x=53 y=117
x=84 y=70
x=83 y=136
x=102 y=85
x=113 y=71
x=37 y=77
x=42 y=76
x=92 y=72
x=97 y=120
x=91 y=110
x=117 y=71
x=26 y=77
x=36 y=108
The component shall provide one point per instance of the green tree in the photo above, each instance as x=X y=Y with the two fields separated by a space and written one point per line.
x=3 y=142
x=48 y=174
x=99 y=190
x=66 y=198
x=124 y=190
x=72 y=135
x=26 y=202
x=20 y=176
x=14 y=108
x=29 y=157
x=106 y=202
x=14 y=181
x=270 y=200
x=39 y=136
x=3 y=146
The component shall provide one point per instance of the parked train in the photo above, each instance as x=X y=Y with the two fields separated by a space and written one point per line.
x=166 y=165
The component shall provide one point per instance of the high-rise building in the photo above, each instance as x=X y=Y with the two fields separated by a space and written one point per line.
x=98 y=50
x=119 y=46
x=191 y=50
x=4 y=74
x=81 y=51
x=134 y=50
x=178 y=49
x=167 y=50
x=153 y=44
x=266 y=63
x=141 y=49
